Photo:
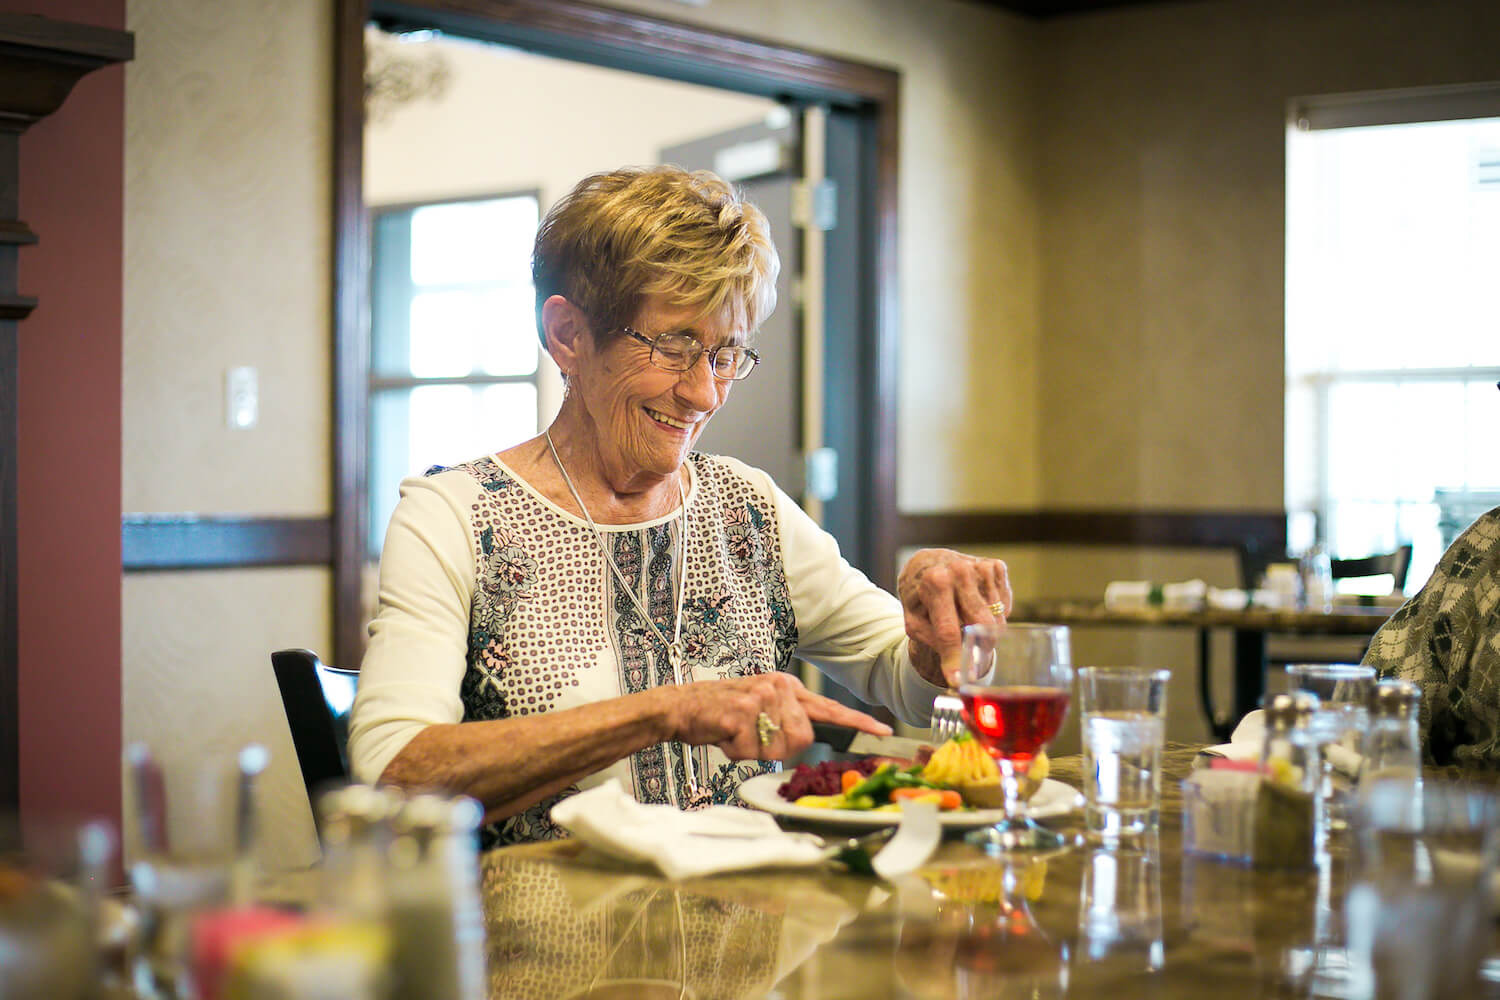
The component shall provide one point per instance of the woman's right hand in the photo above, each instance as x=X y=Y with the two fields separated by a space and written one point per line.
x=726 y=714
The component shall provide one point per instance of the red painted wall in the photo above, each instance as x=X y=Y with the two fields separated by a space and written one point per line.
x=68 y=508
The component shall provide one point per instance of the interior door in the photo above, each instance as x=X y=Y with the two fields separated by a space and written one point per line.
x=803 y=400
x=810 y=396
x=762 y=422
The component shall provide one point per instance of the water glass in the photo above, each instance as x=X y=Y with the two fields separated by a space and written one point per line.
x=1339 y=725
x=1119 y=907
x=189 y=846
x=51 y=894
x=1419 y=908
x=1123 y=711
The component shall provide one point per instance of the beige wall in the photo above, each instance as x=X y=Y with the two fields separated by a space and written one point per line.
x=227 y=242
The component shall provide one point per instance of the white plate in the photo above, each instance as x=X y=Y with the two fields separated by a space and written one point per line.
x=1053 y=799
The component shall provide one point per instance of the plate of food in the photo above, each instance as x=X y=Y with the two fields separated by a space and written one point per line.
x=865 y=794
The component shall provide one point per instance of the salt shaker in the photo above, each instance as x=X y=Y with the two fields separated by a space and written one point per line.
x=435 y=912
x=356 y=834
x=1289 y=816
x=1392 y=744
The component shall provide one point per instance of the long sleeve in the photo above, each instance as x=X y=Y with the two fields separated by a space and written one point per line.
x=849 y=628
x=415 y=662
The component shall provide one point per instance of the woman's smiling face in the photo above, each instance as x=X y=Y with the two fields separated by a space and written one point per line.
x=647 y=418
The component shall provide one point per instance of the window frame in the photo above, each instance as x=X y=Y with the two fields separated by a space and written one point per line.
x=1365 y=110
x=383 y=276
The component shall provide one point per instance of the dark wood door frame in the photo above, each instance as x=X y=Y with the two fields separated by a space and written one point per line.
x=621 y=40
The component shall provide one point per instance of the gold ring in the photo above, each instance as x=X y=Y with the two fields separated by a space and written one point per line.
x=998 y=609
x=765 y=728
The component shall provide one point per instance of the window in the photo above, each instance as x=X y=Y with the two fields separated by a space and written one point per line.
x=1392 y=327
x=453 y=346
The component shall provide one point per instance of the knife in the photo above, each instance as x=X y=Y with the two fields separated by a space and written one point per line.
x=847 y=739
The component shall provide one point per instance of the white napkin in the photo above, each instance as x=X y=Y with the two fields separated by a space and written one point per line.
x=915 y=840
x=1245 y=742
x=682 y=844
x=725 y=838
x=1136 y=595
x=1227 y=600
x=1127 y=595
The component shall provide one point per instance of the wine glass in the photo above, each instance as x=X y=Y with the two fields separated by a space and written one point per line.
x=1015 y=681
x=968 y=933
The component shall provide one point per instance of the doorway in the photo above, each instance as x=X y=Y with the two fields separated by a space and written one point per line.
x=861 y=103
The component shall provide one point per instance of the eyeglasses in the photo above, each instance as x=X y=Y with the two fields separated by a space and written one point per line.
x=678 y=352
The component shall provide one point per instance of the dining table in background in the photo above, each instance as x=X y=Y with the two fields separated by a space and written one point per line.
x=563 y=921
x=1251 y=628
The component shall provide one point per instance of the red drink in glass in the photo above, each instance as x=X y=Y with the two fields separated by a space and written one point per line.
x=1014 y=722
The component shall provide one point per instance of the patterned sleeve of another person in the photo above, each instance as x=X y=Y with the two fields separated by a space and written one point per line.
x=1446 y=639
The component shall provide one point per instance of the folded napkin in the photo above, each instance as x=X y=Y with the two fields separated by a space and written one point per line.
x=1136 y=595
x=1127 y=595
x=685 y=845
x=1227 y=600
x=1246 y=740
x=1185 y=596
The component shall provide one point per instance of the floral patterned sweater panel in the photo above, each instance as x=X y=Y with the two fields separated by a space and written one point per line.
x=550 y=627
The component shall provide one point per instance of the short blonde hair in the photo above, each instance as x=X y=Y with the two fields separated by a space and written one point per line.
x=690 y=237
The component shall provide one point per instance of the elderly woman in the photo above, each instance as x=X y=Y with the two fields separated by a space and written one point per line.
x=603 y=602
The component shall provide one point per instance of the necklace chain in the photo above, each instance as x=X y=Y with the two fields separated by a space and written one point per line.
x=674 y=655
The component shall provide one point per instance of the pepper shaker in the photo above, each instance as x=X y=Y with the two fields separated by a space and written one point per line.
x=1392 y=745
x=435 y=912
x=1289 y=815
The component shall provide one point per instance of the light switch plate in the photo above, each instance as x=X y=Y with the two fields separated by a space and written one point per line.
x=241 y=398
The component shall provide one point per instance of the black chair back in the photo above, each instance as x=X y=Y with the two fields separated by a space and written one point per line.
x=1254 y=559
x=317 y=699
x=1395 y=563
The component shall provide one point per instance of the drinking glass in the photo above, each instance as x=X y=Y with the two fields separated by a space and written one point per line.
x=1339 y=725
x=190 y=835
x=1123 y=711
x=968 y=933
x=1418 y=912
x=52 y=892
x=1015 y=681
x=1119 y=907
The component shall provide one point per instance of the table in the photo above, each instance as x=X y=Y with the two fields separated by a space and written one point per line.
x=1251 y=626
x=1085 y=922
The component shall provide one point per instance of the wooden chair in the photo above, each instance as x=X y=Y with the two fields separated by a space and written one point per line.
x=317 y=699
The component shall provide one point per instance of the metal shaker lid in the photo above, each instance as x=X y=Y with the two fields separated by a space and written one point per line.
x=352 y=811
x=1290 y=709
x=438 y=814
x=1394 y=699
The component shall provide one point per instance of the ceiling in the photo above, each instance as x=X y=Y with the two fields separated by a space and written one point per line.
x=1056 y=8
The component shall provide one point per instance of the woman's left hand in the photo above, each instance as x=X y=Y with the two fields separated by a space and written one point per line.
x=941 y=591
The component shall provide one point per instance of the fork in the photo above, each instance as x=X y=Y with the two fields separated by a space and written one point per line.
x=947 y=718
